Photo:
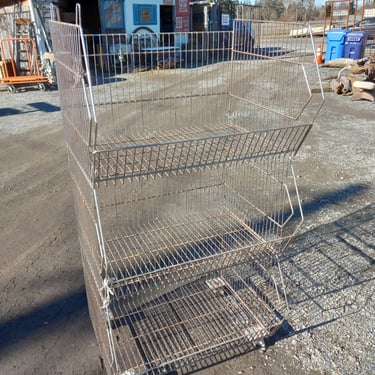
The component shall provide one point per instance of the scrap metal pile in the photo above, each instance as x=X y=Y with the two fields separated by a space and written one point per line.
x=355 y=78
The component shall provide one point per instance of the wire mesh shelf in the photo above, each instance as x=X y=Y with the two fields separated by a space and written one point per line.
x=163 y=157
x=180 y=148
x=182 y=327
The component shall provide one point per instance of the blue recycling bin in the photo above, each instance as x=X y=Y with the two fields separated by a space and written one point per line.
x=355 y=45
x=335 y=44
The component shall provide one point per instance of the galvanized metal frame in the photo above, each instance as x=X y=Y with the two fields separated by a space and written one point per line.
x=180 y=150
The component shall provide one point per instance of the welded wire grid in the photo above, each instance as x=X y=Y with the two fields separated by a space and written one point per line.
x=264 y=81
x=163 y=235
x=186 y=221
x=185 y=194
x=163 y=157
x=71 y=69
x=185 y=325
x=256 y=77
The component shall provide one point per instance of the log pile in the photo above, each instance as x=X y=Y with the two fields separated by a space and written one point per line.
x=355 y=78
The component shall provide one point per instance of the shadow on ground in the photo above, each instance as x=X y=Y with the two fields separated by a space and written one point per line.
x=20 y=328
x=320 y=268
x=29 y=108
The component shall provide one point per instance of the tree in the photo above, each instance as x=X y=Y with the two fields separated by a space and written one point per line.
x=351 y=7
x=310 y=6
x=272 y=9
x=328 y=9
x=227 y=6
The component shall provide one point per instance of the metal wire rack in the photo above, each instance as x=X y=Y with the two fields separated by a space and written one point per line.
x=180 y=148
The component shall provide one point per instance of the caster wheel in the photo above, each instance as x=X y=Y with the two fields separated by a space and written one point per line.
x=260 y=345
x=42 y=87
x=12 y=89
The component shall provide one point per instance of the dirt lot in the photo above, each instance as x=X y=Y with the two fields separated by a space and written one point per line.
x=329 y=269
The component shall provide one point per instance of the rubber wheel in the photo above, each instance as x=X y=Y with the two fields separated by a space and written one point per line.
x=41 y=86
x=12 y=89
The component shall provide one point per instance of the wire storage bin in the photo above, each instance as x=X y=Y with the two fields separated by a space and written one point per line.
x=180 y=150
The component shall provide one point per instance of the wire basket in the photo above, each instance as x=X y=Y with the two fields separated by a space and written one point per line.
x=180 y=148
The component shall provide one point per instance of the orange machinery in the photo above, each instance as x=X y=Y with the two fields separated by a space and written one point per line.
x=19 y=64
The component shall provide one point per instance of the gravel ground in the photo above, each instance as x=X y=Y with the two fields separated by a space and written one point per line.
x=328 y=269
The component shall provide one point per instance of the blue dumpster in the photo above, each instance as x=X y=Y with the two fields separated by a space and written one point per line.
x=335 y=44
x=355 y=45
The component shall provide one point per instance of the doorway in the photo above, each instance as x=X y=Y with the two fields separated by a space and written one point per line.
x=166 y=19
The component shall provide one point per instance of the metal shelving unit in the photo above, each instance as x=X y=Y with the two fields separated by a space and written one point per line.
x=180 y=149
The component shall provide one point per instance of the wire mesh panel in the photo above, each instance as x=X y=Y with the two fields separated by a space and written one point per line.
x=180 y=149
x=150 y=103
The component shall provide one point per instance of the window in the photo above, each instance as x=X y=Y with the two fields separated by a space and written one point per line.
x=144 y=14
x=113 y=14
